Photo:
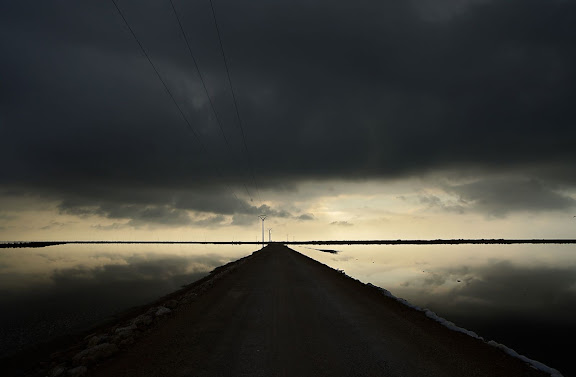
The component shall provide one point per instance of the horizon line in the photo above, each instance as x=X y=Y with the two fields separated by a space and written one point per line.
x=454 y=241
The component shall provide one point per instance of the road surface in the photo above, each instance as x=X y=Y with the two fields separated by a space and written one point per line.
x=283 y=314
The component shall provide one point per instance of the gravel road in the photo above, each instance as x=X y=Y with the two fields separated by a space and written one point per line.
x=283 y=314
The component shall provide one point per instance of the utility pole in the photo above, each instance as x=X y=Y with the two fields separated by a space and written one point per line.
x=269 y=235
x=262 y=217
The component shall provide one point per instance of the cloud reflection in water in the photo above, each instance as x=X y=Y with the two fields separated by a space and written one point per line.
x=521 y=296
x=64 y=288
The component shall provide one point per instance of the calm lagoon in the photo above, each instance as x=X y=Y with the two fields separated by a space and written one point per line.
x=57 y=290
x=523 y=296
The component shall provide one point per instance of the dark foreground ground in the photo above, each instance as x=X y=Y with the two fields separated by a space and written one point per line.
x=283 y=314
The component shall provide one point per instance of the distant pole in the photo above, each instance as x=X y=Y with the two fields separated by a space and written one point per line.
x=269 y=235
x=262 y=217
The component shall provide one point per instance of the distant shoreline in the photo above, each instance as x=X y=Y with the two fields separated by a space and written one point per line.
x=490 y=241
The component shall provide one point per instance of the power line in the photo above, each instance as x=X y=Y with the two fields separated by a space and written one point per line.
x=174 y=100
x=235 y=102
x=199 y=74
x=203 y=82
x=160 y=77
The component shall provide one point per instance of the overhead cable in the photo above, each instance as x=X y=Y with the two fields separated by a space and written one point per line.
x=159 y=77
x=172 y=96
x=203 y=82
x=249 y=159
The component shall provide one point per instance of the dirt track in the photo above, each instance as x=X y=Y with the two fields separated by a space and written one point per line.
x=283 y=314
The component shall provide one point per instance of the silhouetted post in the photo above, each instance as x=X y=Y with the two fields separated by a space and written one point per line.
x=262 y=217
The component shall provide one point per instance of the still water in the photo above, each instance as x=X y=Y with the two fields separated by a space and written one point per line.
x=523 y=296
x=56 y=290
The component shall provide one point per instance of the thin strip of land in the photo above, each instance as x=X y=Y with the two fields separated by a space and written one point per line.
x=477 y=241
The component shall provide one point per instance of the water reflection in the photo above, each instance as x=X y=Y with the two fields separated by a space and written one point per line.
x=521 y=295
x=55 y=290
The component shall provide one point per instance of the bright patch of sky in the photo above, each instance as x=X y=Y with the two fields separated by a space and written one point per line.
x=410 y=209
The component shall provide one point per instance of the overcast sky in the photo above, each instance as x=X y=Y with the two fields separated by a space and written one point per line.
x=416 y=118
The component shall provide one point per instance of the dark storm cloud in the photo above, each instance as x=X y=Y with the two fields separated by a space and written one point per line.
x=244 y=220
x=326 y=90
x=166 y=207
x=341 y=223
x=498 y=197
x=434 y=202
x=4 y=217
x=137 y=213
x=215 y=202
x=54 y=225
x=305 y=217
